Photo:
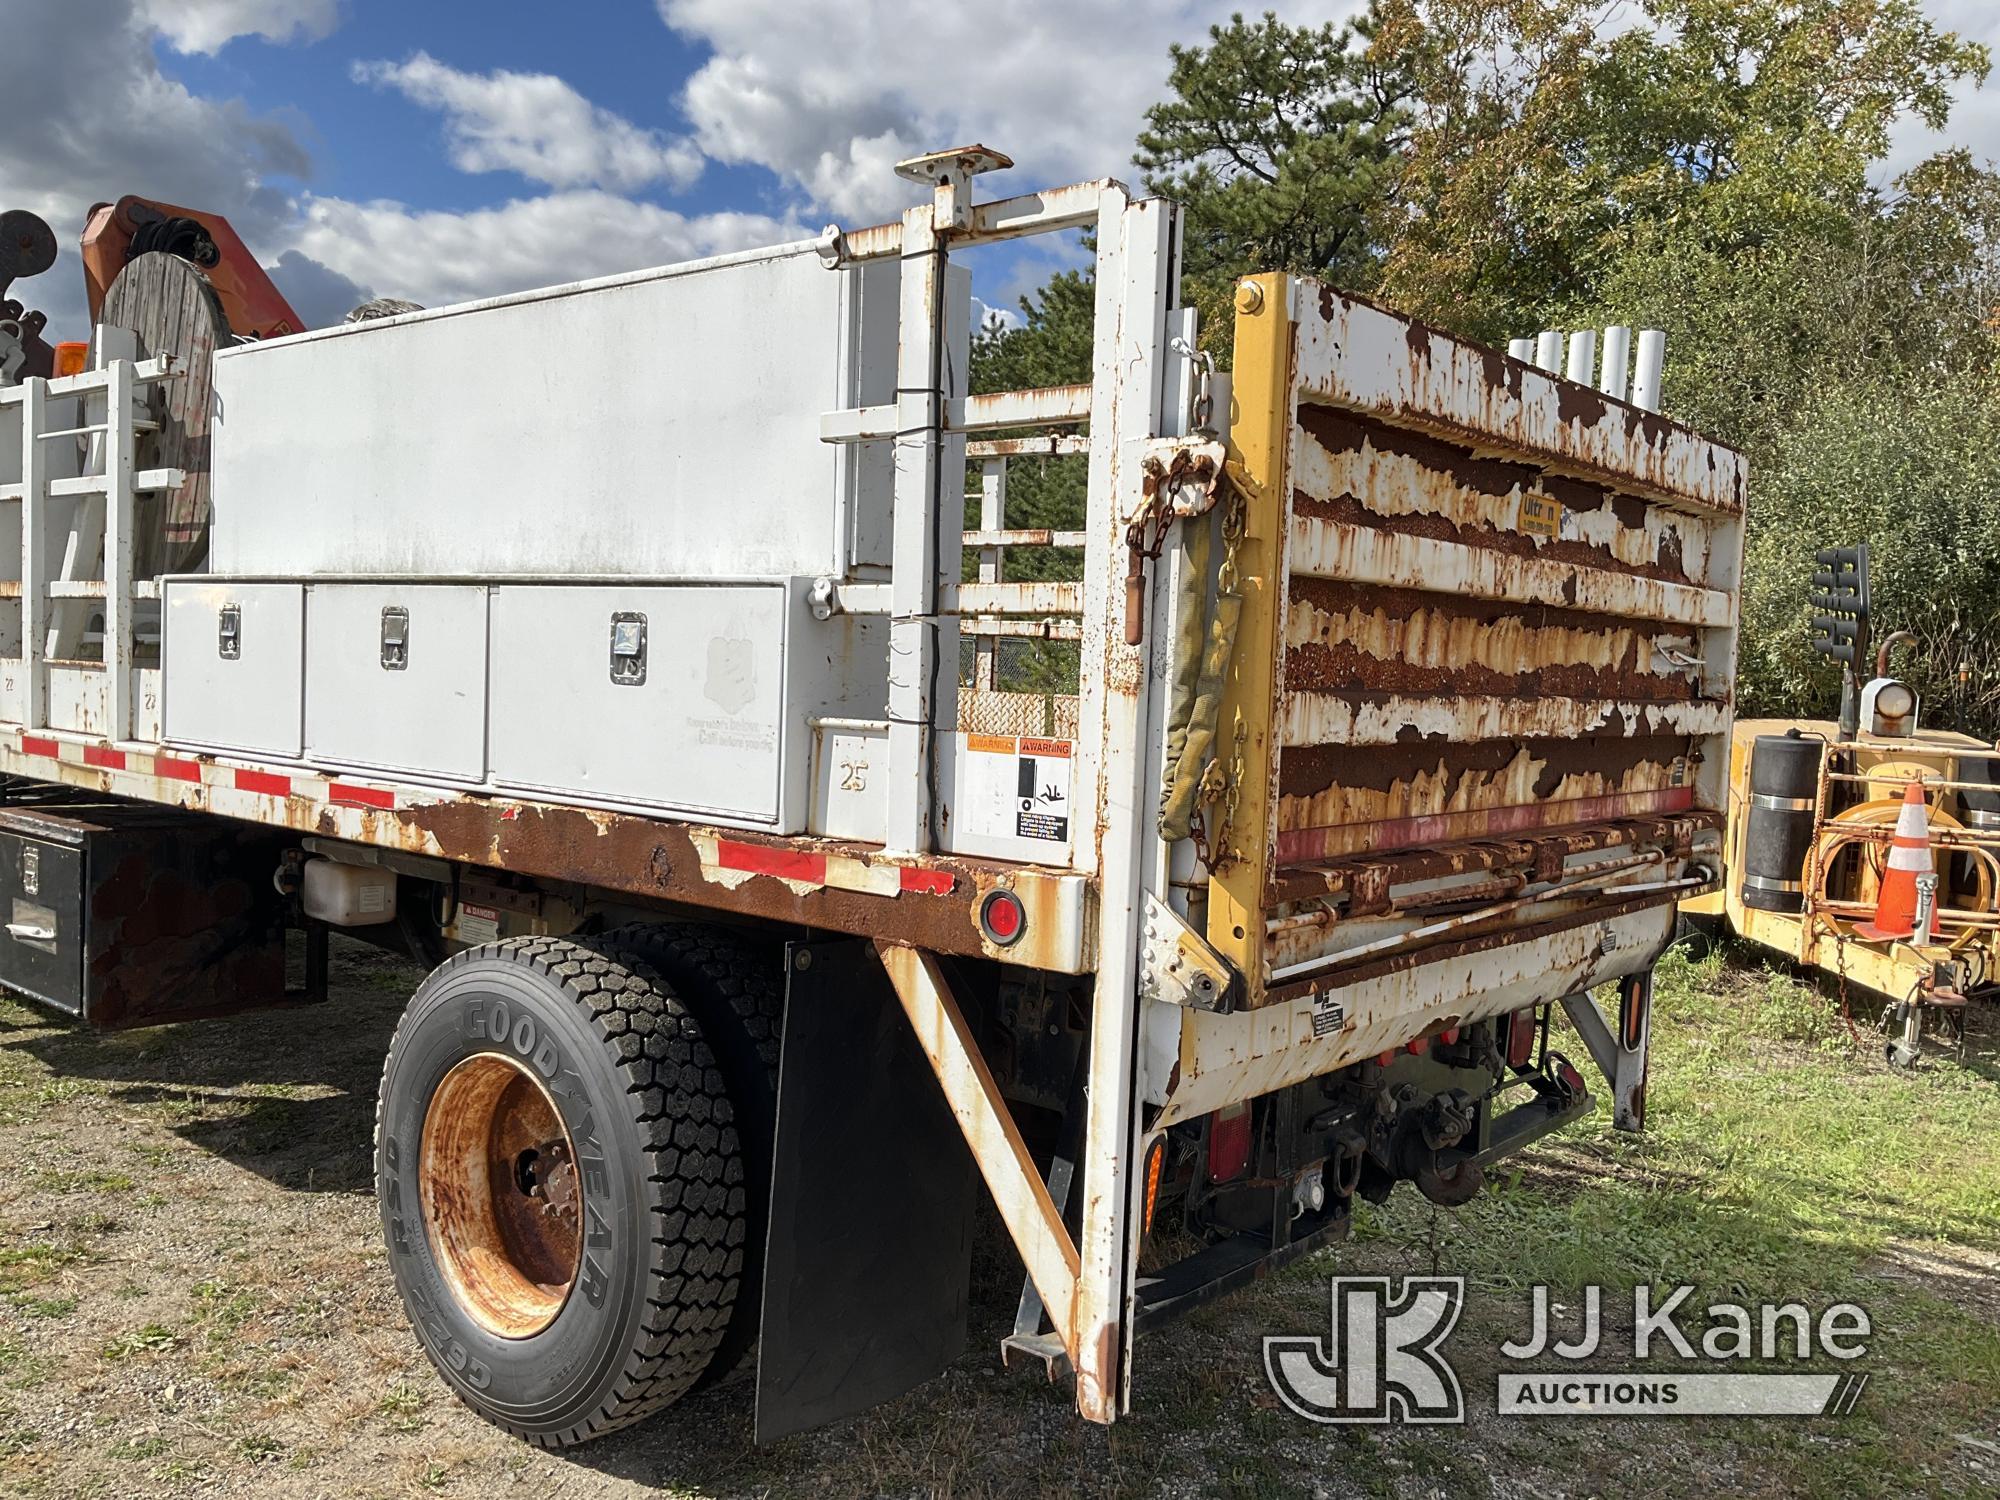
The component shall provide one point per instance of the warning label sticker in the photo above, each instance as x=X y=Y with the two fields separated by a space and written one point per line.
x=1541 y=515
x=1041 y=790
x=1017 y=788
x=477 y=924
x=1329 y=1015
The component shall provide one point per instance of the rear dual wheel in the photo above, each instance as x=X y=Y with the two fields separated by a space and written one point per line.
x=562 y=1185
x=734 y=986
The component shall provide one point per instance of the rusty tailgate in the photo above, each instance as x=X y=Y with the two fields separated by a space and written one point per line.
x=1500 y=610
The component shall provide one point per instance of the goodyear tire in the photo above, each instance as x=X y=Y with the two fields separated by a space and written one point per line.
x=561 y=1185
x=735 y=987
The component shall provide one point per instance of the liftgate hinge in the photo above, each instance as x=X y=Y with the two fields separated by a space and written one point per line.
x=1177 y=965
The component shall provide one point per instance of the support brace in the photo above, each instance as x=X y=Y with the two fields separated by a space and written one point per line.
x=1621 y=1055
x=1026 y=1208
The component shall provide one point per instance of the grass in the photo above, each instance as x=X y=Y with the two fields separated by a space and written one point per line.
x=1757 y=1164
x=31 y=1264
x=92 y=1181
x=260 y=1447
x=153 y=1339
x=140 y=1447
x=222 y=1308
x=402 y=1407
x=174 y=1255
x=41 y=1307
x=1782 y=1161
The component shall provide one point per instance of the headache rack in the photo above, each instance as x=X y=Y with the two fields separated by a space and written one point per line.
x=1489 y=638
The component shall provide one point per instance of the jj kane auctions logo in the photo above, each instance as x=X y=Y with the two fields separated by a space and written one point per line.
x=1385 y=1360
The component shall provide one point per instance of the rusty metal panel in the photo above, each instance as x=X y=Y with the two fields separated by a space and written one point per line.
x=1356 y=355
x=1506 y=642
x=1205 y=1061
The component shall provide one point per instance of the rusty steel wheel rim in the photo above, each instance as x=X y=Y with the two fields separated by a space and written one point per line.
x=502 y=1203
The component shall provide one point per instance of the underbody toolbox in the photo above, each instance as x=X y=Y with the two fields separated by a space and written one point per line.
x=126 y=915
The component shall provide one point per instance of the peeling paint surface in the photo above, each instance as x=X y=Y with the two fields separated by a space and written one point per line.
x=1506 y=641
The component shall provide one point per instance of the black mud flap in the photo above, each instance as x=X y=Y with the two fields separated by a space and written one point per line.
x=869 y=1262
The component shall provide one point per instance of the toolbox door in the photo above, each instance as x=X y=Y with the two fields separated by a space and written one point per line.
x=41 y=897
x=234 y=666
x=396 y=677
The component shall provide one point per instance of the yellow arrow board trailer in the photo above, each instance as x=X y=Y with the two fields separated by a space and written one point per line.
x=622 y=650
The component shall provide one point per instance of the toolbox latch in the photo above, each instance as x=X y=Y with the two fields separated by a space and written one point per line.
x=395 y=638
x=229 y=632
x=628 y=648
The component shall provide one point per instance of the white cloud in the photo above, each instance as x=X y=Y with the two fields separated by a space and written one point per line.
x=90 y=117
x=148 y=134
x=438 y=258
x=1975 y=116
x=206 y=25
x=830 y=97
x=537 y=125
x=986 y=314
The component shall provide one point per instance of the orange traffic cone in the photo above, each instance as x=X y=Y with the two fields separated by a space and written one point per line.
x=1909 y=857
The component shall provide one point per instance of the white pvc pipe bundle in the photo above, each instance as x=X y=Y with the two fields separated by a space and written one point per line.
x=1652 y=362
x=1582 y=356
x=1617 y=361
x=1616 y=371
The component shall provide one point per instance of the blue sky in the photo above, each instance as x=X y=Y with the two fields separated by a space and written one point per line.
x=376 y=143
x=447 y=149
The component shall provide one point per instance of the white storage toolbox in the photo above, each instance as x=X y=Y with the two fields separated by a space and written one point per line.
x=562 y=543
x=396 y=677
x=235 y=653
x=662 y=425
x=692 y=698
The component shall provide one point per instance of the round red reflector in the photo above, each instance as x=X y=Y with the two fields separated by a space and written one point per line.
x=1003 y=918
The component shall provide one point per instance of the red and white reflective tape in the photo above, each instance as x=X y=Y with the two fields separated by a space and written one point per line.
x=247 y=790
x=140 y=773
x=729 y=862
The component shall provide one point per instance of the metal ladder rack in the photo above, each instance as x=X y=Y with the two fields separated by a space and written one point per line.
x=1085 y=1283
x=986 y=705
x=74 y=505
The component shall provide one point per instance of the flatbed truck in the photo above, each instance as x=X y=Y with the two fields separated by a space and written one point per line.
x=622 y=651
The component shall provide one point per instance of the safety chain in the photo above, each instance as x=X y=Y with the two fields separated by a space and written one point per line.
x=1840 y=971
x=1145 y=540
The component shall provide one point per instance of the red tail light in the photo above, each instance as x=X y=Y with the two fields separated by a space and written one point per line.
x=1229 y=1142
x=1521 y=1037
x=1002 y=918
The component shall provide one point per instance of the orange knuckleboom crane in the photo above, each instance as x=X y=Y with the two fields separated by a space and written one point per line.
x=115 y=234
x=244 y=302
